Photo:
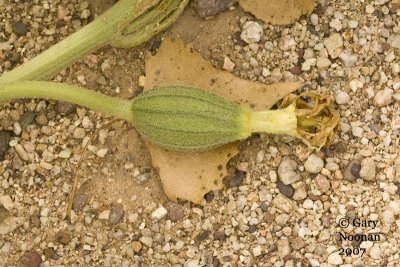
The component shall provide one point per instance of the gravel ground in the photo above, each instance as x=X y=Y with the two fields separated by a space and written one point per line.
x=284 y=205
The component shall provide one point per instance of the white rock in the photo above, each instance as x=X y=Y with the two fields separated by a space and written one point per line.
x=342 y=98
x=355 y=84
x=357 y=131
x=383 y=97
x=104 y=215
x=314 y=19
x=192 y=263
x=390 y=57
x=148 y=241
x=282 y=203
x=7 y=202
x=228 y=64
x=283 y=248
x=87 y=123
x=102 y=152
x=314 y=262
x=323 y=63
x=334 y=44
x=381 y=2
x=79 y=133
x=65 y=154
x=17 y=128
x=369 y=9
x=352 y=24
x=335 y=259
x=388 y=217
x=336 y=24
x=396 y=96
x=287 y=172
x=300 y=194
x=252 y=32
x=22 y=152
x=308 y=63
x=159 y=213
x=142 y=81
x=368 y=169
x=308 y=204
x=375 y=252
x=345 y=127
x=395 y=123
x=395 y=206
x=257 y=251
x=348 y=58
x=266 y=72
x=394 y=40
x=314 y=164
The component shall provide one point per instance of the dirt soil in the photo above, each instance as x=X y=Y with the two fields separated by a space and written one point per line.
x=282 y=202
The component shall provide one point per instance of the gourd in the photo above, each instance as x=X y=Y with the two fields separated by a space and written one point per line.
x=192 y=119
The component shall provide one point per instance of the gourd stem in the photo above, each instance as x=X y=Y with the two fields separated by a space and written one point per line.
x=104 y=30
x=119 y=108
x=281 y=121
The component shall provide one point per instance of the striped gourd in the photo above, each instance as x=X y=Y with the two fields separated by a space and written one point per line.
x=187 y=118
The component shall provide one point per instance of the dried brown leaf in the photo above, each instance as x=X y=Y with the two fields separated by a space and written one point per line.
x=277 y=11
x=189 y=176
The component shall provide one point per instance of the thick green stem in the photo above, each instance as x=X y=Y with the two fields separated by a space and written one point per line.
x=104 y=30
x=281 y=121
x=119 y=108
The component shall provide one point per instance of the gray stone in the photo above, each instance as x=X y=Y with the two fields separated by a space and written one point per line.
x=209 y=8
x=368 y=169
x=287 y=172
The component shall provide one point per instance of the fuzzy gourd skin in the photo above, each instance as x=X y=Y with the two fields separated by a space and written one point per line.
x=187 y=118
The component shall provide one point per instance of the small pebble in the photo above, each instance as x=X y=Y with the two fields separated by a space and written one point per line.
x=136 y=246
x=334 y=45
x=159 y=213
x=286 y=190
x=322 y=183
x=348 y=58
x=342 y=98
x=287 y=172
x=148 y=241
x=314 y=164
x=252 y=32
x=104 y=215
x=383 y=97
x=352 y=170
x=65 y=154
x=323 y=63
x=20 y=28
x=375 y=251
x=257 y=251
x=388 y=217
x=228 y=64
x=175 y=211
x=79 y=133
x=7 y=202
x=101 y=153
x=116 y=214
x=368 y=169
x=21 y=152
x=63 y=238
x=31 y=259
x=335 y=259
